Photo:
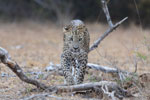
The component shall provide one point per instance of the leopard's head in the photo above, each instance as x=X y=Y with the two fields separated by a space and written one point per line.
x=75 y=35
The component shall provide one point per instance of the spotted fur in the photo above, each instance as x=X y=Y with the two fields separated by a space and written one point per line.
x=75 y=52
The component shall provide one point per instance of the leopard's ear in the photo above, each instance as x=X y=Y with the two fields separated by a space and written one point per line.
x=66 y=28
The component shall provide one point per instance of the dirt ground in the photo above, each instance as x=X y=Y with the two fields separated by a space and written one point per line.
x=34 y=45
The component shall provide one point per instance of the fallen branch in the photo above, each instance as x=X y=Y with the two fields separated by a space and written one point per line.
x=105 y=69
x=121 y=73
x=5 y=59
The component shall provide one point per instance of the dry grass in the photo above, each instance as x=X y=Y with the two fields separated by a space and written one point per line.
x=41 y=43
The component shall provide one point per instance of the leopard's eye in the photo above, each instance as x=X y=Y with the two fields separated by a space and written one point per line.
x=66 y=28
x=71 y=39
x=80 y=39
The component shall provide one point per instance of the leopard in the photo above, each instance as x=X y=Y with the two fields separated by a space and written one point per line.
x=74 y=57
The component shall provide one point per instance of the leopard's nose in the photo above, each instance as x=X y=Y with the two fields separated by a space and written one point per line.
x=75 y=47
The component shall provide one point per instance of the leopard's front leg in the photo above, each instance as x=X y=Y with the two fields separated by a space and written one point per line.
x=81 y=63
x=66 y=65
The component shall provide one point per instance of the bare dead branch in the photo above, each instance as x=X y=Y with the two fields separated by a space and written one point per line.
x=98 y=41
x=17 y=70
x=121 y=73
x=85 y=86
x=111 y=25
x=111 y=86
x=105 y=9
x=104 y=69
x=57 y=68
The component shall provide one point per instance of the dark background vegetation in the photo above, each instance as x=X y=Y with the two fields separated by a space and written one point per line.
x=58 y=11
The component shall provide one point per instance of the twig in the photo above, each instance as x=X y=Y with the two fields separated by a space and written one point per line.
x=106 y=91
x=135 y=64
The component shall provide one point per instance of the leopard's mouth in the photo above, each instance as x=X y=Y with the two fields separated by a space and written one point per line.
x=75 y=50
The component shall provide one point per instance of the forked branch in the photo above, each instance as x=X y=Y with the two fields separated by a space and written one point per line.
x=98 y=41
x=111 y=26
